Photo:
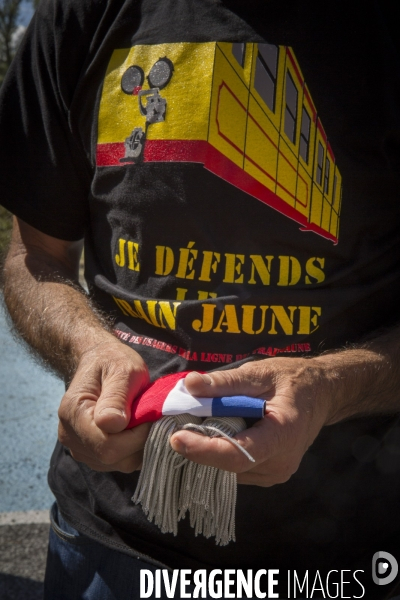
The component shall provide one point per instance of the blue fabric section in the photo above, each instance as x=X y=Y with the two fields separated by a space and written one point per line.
x=238 y=406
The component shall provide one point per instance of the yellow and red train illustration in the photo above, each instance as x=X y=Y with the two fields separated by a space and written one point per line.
x=242 y=110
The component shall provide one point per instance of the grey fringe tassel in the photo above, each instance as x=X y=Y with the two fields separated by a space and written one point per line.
x=170 y=485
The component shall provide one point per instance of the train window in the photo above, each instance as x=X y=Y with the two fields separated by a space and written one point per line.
x=320 y=163
x=327 y=169
x=239 y=51
x=266 y=72
x=334 y=188
x=305 y=135
x=291 y=108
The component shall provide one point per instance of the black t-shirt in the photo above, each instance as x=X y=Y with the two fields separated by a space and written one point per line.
x=234 y=168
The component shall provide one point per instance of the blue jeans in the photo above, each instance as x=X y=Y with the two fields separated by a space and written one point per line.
x=79 y=568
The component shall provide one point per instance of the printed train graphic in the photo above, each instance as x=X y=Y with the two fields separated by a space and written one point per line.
x=242 y=110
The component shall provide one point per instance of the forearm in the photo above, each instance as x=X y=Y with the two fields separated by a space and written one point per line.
x=363 y=380
x=56 y=318
x=50 y=310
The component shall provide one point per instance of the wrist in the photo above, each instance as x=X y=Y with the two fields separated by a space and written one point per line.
x=105 y=350
x=89 y=341
x=351 y=382
x=91 y=338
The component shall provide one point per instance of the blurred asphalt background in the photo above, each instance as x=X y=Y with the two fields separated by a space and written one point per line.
x=29 y=399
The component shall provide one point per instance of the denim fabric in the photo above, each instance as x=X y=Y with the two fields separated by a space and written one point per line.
x=79 y=568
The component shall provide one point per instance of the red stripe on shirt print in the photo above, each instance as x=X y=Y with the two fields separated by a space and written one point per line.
x=199 y=151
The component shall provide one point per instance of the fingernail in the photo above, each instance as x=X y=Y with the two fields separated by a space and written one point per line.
x=178 y=446
x=112 y=412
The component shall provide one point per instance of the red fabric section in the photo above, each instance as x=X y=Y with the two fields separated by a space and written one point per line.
x=147 y=407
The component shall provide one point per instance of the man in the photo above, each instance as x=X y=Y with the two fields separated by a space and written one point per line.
x=200 y=149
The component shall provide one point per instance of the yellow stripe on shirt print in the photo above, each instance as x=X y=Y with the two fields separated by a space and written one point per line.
x=242 y=110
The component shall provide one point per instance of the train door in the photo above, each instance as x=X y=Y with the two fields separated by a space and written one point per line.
x=289 y=142
x=264 y=118
x=306 y=154
x=229 y=100
x=319 y=175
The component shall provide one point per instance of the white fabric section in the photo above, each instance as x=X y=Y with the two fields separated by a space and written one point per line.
x=180 y=401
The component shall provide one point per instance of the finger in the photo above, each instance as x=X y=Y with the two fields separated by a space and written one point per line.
x=212 y=452
x=87 y=439
x=113 y=408
x=259 y=441
x=246 y=381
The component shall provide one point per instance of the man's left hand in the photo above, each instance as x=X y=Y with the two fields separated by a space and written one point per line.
x=298 y=406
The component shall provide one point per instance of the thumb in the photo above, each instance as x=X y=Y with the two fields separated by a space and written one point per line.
x=243 y=381
x=112 y=412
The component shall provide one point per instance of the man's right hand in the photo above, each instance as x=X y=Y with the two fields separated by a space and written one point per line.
x=97 y=407
x=42 y=294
